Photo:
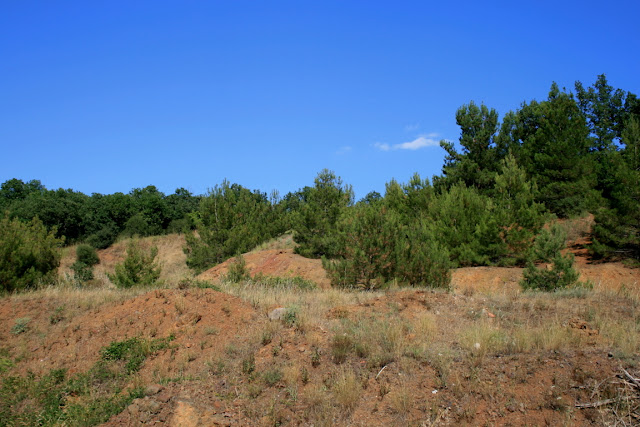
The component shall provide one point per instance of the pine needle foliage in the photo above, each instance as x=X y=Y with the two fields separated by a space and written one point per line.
x=28 y=254
x=138 y=268
x=376 y=247
x=557 y=271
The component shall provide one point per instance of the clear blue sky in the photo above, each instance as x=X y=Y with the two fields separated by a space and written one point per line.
x=108 y=96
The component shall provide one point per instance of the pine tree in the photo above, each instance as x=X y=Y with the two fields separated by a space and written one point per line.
x=316 y=231
x=555 y=152
x=557 y=271
x=475 y=165
x=519 y=215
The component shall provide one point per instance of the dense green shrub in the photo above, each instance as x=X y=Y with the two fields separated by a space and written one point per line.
x=519 y=216
x=138 y=268
x=103 y=238
x=230 y=220
x=465 y=223
x=87 y=255
x=86 y=258
x=616 y=233
x=557 y=271
x=137 y=226
x=28 y=254
x=420 y=259
x=375 y=247
x=315 y=231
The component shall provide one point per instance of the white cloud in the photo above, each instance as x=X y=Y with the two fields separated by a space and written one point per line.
x=420 y=142
x=382 y=147
x=344 y=150
x=412 y=127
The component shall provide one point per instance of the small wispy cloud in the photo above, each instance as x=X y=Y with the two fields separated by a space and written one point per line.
x=420 y=142
x=412 y=127
x=344 y=150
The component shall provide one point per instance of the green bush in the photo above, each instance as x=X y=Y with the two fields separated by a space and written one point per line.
x=103 y=238
x=87 y=257
x=138 y=269
x=229 y=221
x=28 y=254
x=237 y=271
x=21 y=325
x=82 y=272
x=316 y=230
x=377 y=246
x=560 y=273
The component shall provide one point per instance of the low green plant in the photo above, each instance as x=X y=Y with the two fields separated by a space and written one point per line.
x=237 y=271
x=295 y=282
x=57 y=316
x=290 y=317
x=20 y=326
x=195 y=283
x=249 y=364
x=97 y=394
x=5 y=361
x=133 y=351
x=138 y=268
x=272 y=377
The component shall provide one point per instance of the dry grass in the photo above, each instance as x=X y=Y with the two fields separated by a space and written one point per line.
x=448 y=340
x=347 y=388
x=282 y=242
x=312 y=304
x=82 y=299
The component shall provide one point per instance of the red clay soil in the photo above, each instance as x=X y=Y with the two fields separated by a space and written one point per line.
x=538 y=388
x=275 y=262
x=201 y=320
x=527 y=388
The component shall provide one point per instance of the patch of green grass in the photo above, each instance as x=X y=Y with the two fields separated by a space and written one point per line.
x=290 y=318
x=295 y=282
x=194 y=283
x=272 y=377
x=21 y=325
x=96 y=394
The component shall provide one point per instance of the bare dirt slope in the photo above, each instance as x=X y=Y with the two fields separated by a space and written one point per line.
x=61 y=334
x=275 y=262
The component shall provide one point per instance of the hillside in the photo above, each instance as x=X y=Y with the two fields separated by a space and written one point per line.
x=485 y=353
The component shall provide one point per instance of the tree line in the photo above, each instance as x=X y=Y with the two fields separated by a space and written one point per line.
x=564 y=156
x=98 y=219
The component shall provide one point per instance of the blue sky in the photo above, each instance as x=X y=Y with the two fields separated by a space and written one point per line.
x=109 y=96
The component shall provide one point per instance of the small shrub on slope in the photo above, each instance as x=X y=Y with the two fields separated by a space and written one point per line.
x=546 y=249
x=138 y=269
x=28 y=254
x=87 y=257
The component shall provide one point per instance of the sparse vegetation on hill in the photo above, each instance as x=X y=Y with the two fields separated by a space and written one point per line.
x=266 y=336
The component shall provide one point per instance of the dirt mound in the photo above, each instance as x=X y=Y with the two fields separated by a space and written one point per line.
x=275 y=262
x=501 y=388
x=200 y=321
